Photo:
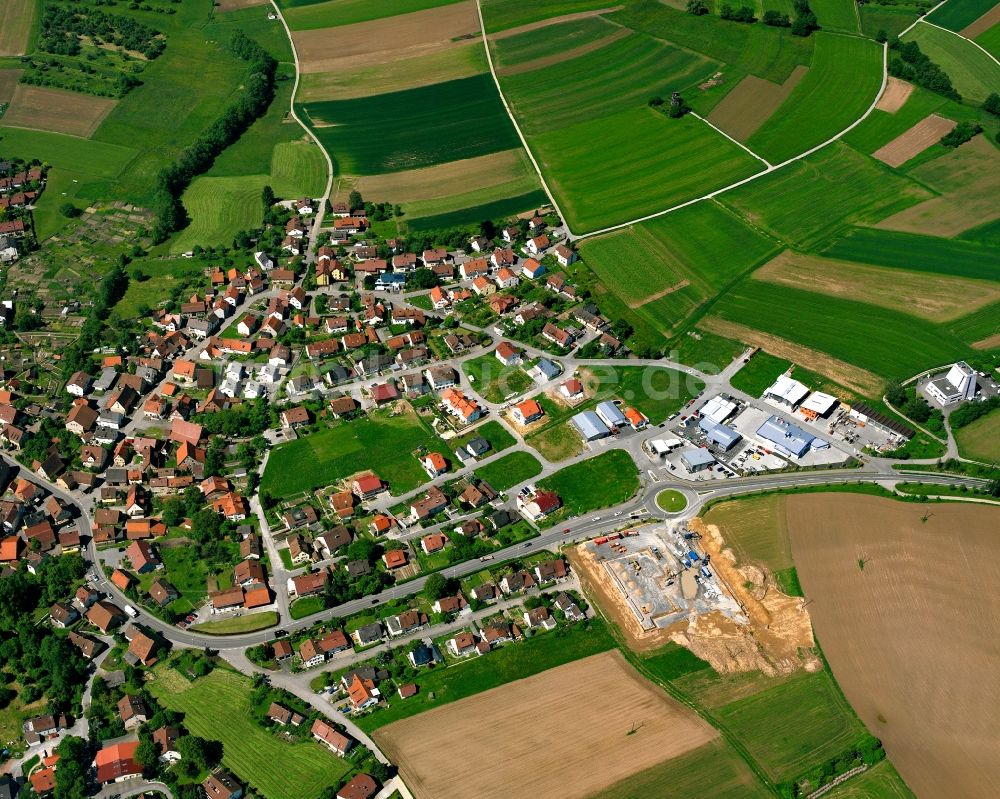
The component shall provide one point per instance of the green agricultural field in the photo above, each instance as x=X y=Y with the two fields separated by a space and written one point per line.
x=885 y=342
x=310 y=14
x=882 y=127
x=417 y=217
x=714 y=764
x=381 y=443
x=219 y=208
x=808 y=202
x=298 y=168
x=520 y=48
x=891 y=19
x=598 y=482
x=973 y=73
x=494 y=381
x=977 y=325
x=517 y=661
x=990 y=41
x=794 y=725
x=501 y=15
x=956 y=14
x=981 y=439
x=769 y=53
x=759 y=374
x=576 y=91
x=756 y=529
x=837 y=15
x=881 y=781
x=918 y=253
x=637 y=162
x=842 y=81
x=510 y=470
x=444 y=122
x=655 y=391
x=217 y=707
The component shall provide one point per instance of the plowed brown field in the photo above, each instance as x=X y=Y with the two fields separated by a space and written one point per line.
x=562 y=733
x=913 y=636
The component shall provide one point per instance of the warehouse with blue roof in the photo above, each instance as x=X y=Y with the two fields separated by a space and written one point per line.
x=789 y=439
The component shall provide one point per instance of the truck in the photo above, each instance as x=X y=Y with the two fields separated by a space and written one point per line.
x=131 y=611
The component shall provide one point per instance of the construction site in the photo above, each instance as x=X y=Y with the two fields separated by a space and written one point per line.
x=677 y=582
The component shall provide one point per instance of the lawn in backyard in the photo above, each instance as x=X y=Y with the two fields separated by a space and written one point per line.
x=217 y=707
x=382 y=443
x=247 y=623
x=494 y=381
x=494 y=432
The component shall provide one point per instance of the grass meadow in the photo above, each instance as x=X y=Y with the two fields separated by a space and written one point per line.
x=990 y=41
x=218 y=209
x=881 y=781
x=759 y=374
x=413 y=128
x=382 y=443
x=837 y=15
x=973 y=73
x=807 y=203
x=510 y=470
x=918 y=253
x=793 y=725
x=841 y=83
x=217 y=707
x=598 y=482
x=633 y=163
x=981 y=439
x=889 y=343
x=956 y=14
x=311 y=14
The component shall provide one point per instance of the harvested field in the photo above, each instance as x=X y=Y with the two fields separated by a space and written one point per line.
x=16 y=18
x=8 y=83
x=937 y=298
x=348 y=47
x=435 y=749
x=566 y=55
x=925 y=133
x=854 y=378
x=749 y=105
x=896 y=93
x=445 y=180
x=57 y=111
x=991 y=343
x=460 y=61
x=912 y=636
x=969 y=179
x=983 y=24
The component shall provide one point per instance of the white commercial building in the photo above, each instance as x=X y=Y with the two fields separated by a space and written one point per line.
x=786 y=392
x=958 y=385
x=718 y=409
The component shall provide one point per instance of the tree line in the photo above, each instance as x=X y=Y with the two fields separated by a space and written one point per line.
x=908 y=62
x=257 y=95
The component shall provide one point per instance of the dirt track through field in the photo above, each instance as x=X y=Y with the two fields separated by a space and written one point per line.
x=562 y=733
x=897 y=92
x=58 y=111
x=983 y=24
x=544 y=23
x=566 y=55
x=347 y=47
x=752 y=102
x=937 y=298
x=913 y=638
x=926 y=132
x=859 y=380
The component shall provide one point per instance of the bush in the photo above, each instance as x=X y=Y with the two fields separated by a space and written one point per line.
x=742 y=14
x=992 y=104
x=776 y=19
x=69 y=210
x=697 y=7
x=961 y=133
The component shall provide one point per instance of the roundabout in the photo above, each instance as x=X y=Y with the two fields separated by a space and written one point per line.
x=670 y=500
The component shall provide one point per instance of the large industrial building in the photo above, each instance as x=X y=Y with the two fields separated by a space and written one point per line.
x=720 y=434
x=786 y=392
x=590 y=426
x=788 y=439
